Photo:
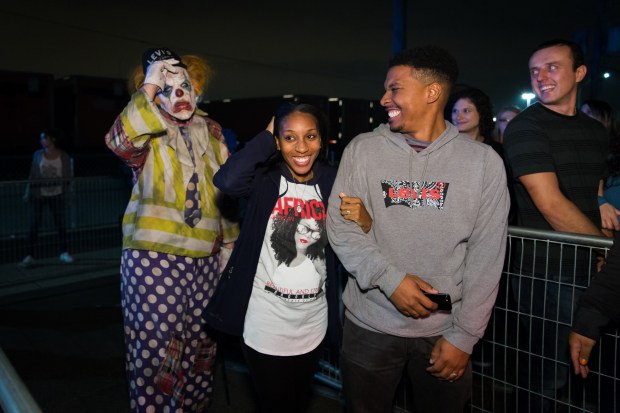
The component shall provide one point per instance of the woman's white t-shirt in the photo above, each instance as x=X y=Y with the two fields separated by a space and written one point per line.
x=287 y=312
x=50 y=169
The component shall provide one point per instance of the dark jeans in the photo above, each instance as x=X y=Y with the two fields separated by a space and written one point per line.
x=56 y=205
x=282 y=383
x=372 y=365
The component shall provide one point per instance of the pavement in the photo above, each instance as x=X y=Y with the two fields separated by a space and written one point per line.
x=61 y=329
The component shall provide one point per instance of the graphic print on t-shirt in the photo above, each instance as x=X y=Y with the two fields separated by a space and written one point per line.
x=297 y=242
x=414 y=194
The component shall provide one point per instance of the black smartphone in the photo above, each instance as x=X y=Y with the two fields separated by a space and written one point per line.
x=443 y=300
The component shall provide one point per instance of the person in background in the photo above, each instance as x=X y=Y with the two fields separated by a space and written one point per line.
x=505 y=115
x=49 y=186
x=557 y=157
x=175 y=238
x=597 y=307
x=601 y=111
x=472 y=114
x=429 y=234
x=609 y=199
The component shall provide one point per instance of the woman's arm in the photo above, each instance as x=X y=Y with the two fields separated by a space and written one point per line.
x=236 y=176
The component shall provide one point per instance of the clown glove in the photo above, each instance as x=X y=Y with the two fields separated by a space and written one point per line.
x=157 y=71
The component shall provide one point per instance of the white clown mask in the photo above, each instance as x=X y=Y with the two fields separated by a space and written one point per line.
x=178 y=97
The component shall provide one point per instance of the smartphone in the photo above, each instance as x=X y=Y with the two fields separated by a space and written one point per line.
x=443 y=300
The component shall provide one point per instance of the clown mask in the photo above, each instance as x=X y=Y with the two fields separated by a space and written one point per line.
x=178 y=97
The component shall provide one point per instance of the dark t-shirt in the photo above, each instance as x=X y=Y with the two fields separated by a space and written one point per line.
x=575 y=148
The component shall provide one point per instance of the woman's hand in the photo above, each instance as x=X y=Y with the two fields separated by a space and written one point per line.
x=270 y=126
x=353 y=209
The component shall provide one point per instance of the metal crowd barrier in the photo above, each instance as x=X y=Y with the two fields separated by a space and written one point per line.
x=93 y=211
x=521 y=364
x=14 y=396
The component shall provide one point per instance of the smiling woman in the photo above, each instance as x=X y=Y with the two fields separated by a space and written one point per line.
x=273 y=293
x=275 y=290
x=472 y=113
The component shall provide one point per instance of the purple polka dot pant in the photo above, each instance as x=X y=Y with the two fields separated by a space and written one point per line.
x=169 y=355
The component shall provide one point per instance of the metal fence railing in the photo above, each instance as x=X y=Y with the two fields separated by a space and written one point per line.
x=521 y=364
x=92 y=216
x=14 y=396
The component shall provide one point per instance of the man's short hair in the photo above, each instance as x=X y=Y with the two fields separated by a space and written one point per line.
x=434 y=63
x=575 y=50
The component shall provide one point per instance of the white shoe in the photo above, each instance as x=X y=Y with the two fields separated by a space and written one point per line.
x=27 y=262
x=66 y=258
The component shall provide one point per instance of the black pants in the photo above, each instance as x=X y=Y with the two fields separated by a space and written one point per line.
x=372 y=365
x=56 y=205
x=282 y=383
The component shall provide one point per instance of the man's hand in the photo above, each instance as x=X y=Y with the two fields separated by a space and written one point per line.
x=409 y=298
x=580 y=348
x=353 y=209
x=447 y=361
x=609 y=217
x=157 y=71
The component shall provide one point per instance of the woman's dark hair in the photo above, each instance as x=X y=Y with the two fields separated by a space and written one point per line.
x=52 y=134
x=283 y=237
x=321 y=121
x=482 y=102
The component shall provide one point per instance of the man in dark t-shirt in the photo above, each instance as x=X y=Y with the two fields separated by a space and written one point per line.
x=556 y=156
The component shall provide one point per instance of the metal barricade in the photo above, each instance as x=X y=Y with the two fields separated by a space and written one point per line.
x=92 y=213
x=522 y=364
x=14 y=396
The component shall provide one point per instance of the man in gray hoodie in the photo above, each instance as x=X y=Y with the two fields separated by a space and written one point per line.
x=439 y=205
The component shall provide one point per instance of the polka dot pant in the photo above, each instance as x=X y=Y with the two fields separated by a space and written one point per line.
x=169 y=356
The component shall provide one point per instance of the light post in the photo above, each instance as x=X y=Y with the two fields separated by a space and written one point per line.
x=528 y=97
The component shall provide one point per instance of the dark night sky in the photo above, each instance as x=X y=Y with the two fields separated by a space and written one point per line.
x=269 y=48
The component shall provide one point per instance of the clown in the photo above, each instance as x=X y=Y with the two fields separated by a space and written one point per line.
x=175 y=240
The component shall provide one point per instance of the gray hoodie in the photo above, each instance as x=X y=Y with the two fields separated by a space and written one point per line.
x=440 y=214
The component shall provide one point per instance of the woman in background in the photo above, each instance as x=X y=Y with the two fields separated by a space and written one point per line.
x=601 y=111
x=472 y=114
x=505 y=115
x=49 y=186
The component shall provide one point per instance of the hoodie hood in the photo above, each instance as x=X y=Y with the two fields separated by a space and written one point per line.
x=399 y=140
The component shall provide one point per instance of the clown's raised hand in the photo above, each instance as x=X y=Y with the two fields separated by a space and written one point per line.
x=156 y=72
